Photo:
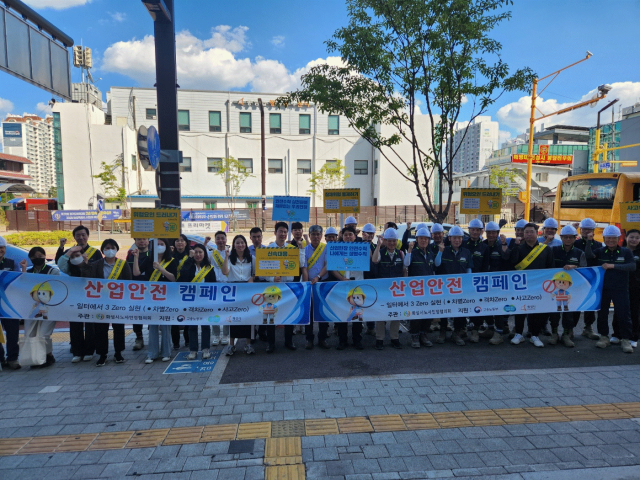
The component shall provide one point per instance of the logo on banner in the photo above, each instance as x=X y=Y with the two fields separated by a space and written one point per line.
x=509 y=308
x=180 y=318
x=214 y=319
x=477 y=309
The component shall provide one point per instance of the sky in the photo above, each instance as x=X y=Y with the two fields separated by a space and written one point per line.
x=265 y=47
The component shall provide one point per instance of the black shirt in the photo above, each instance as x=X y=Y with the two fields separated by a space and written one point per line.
x=453 y=262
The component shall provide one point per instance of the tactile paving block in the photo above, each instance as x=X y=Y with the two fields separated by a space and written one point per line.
x=43 y=444
x=354 y=425
x=283 y=447
x=419 y=421
x=546 y=414
x=483 y=418
x=514 y=416
x=607 y=412
x=77 y=443
x=452 y=419
x=183 y=435
x=387 y=423
x=632 y=408
x=576 y=413
x=285 y=472
x=147 y=438
x=111 y=440
x=10 y=446
x=287 y=428
x=219 y=433
x=321 y=426
x=254 y=430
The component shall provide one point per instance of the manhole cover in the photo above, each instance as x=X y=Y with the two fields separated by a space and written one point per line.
x=241 y=446
x=287 y=428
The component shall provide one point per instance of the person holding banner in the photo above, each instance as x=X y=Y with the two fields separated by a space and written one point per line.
x=368 y=234
x=81 y=334
x=255 y=235
x=353 y=223
x=587 y=229
x=141 y=255
x=633 y=244
x=389 y=264
x=109 y=268
x=407 y=233
x=519 y=230
x=165 y=270
x=216 y=257
x=331 y=235
x=297 y=231
x=479 y=264
x=11 y=325
x=420 y=263
x=199 y=270
x=549 y=230
x=181 y=255
x=317 y=270
x=437 y=237
x=239 y=267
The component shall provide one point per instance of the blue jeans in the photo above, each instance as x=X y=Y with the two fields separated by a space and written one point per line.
x=193 y=337
x=12 y=331
x=154 y=341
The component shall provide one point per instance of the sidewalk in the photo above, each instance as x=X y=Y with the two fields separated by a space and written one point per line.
x=76 y=421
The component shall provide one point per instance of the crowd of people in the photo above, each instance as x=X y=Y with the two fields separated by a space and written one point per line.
x=432 y=252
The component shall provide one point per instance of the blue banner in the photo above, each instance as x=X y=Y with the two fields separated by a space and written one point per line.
x=468 y=295
x=291 y=209
x=353 y=256
x=84 y=215
x=69 y=299
x=213 y=215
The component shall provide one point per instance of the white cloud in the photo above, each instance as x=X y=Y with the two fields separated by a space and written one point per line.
x=278 y=41
x=503 y=136
x=6 y=106
x=118 y=16
x=211 y=63
x=56 y=4
x=44 y=108
x=516 y=114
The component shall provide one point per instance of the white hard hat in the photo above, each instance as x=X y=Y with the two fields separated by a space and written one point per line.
x=587 y=223
x=421 y=225
x=390 y=234
x=521 y=223
x=350 y=221
x=611 y=231
x=568 y=230
x=369 y=228
x=491 y=227
x=437 y=228
x=475 y=223
x=456 y=231
x=423 y=232
x=550 y=223
x=330 y=231
x=3 y=242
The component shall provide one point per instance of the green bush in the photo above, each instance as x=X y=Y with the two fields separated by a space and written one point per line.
x=43 y=239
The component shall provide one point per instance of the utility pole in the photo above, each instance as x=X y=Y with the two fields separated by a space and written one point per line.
x=262 y=162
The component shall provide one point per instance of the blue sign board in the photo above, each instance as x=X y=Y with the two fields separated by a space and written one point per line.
x=153 y=146
x=353 y=257
x=12 y=134
x=605 y=165
x=181 y=364
x=100 y=205
x=213 y=215
x=290 y=209
x=84 y=215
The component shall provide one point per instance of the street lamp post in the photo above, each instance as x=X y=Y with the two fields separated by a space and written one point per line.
x=596 y=151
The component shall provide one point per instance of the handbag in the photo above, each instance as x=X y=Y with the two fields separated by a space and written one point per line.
x=33 y=349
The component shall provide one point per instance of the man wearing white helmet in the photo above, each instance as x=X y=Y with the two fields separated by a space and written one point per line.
x=453 y=260
x=331 y=235
x=479 y=264
x=587 y=229
x=407 y=234
x=549 y=230
x=617 y=263
x=437 y=237
x=519 y=230
x=389 y=264
x=353 y=223
x=568 y=257
x=420 y=262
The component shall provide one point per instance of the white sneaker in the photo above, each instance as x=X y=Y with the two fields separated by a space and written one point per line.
x=166 y=359
x=76 y=359
x=87 y=358
x=205 y=353
x=192 y=355
x=215 y=340
x=536 y=341
x=614 y=340
x=225 y=340
x=634 y=344
x=517 y=339
x=149 y=360
x=230 y=350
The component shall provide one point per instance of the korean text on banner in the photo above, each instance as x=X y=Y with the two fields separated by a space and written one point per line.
x=277 y=262
x=290 y=209
x=630 y=215
x=341 y=200
x=84 y=215
x=480 y=201
x=69 y=299
x=499 y=293
x=204 y=227
x=155 y=222
x=353 y=257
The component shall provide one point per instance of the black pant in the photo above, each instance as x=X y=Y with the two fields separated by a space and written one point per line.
x=634 y=306
x=322 y=331
x=497 y=321
x=535 y=322
x=102 y=338
x=175 y=335
x=371 y=325
x=12 y=329
x=419 y=326
x=343 y=332
x=589 y=318
x=459 y=323
x=622 y=312
x=138 y=330
x=83 y=338
x=567 y=320
x=271 y=334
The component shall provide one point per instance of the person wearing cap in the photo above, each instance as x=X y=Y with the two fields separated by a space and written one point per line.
x=368 y=235
x=529 y=254
x=549 y=230
x=407 y=234
x=316 y=256
x=587 y=229
x=519 y=232
x=353 y=223
x=437 y=237
x=420 y=262
x=331 y=235
x=568 y=257
x=11 y=325
x=453 y=259
x=389 y=261
x=479 y=264
x=109 y=268
x=617 y=262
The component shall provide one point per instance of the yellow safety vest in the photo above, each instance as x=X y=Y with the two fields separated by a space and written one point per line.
x=116 y=270
x=533 y=254
x=201 y=274
x=156 y=273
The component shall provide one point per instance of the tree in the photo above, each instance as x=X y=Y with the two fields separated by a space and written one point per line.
x=234 y=174
x=333 y=174
x=401 y=53
x=53 y=192
x=114 y=190
x=504 y=178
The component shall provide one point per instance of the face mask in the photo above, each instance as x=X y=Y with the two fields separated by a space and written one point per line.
x=38 y=262
x=110 y=253
x=76 y=260
x=161 y=249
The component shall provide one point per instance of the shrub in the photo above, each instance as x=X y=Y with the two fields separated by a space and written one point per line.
x=42 y=239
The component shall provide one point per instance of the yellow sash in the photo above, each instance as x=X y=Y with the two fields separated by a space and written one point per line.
x=316 y=254
x=201 y=274
x=218 y=258
x=156 y=273
x=116 y=270
x=90 y=251
x=531 y=257
x=181 y=264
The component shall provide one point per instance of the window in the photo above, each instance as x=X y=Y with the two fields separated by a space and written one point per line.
x=209 y=205
x=331 y=163
x=185 y=166
x=361 y=167
x=375 y=167
x=245 y=122
x=214 y=164
x=183 y=120
x=215 y=122
x=275 y=123
x=305 y=124
x=134 y=166
x=275 y=165
x=542 y=177
x=334 y=125
x=304 y=166
x=247 y=163
x=252 y=204
x=151 y=114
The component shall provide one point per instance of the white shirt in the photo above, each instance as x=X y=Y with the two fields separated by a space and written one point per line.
x=220 y=277
x=242 y=271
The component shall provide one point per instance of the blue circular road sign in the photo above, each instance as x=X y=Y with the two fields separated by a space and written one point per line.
x=153 y=145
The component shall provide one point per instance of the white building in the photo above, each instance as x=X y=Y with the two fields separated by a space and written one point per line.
x=475 y=142
x=31 y=136
x=213 y=125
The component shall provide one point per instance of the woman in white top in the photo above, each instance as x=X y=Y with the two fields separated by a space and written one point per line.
x=239 y=266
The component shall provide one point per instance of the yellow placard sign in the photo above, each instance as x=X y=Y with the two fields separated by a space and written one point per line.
x=155 y=222
x=630 y=215
x=277 y=262
x=341 y=200
x=480 y=201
